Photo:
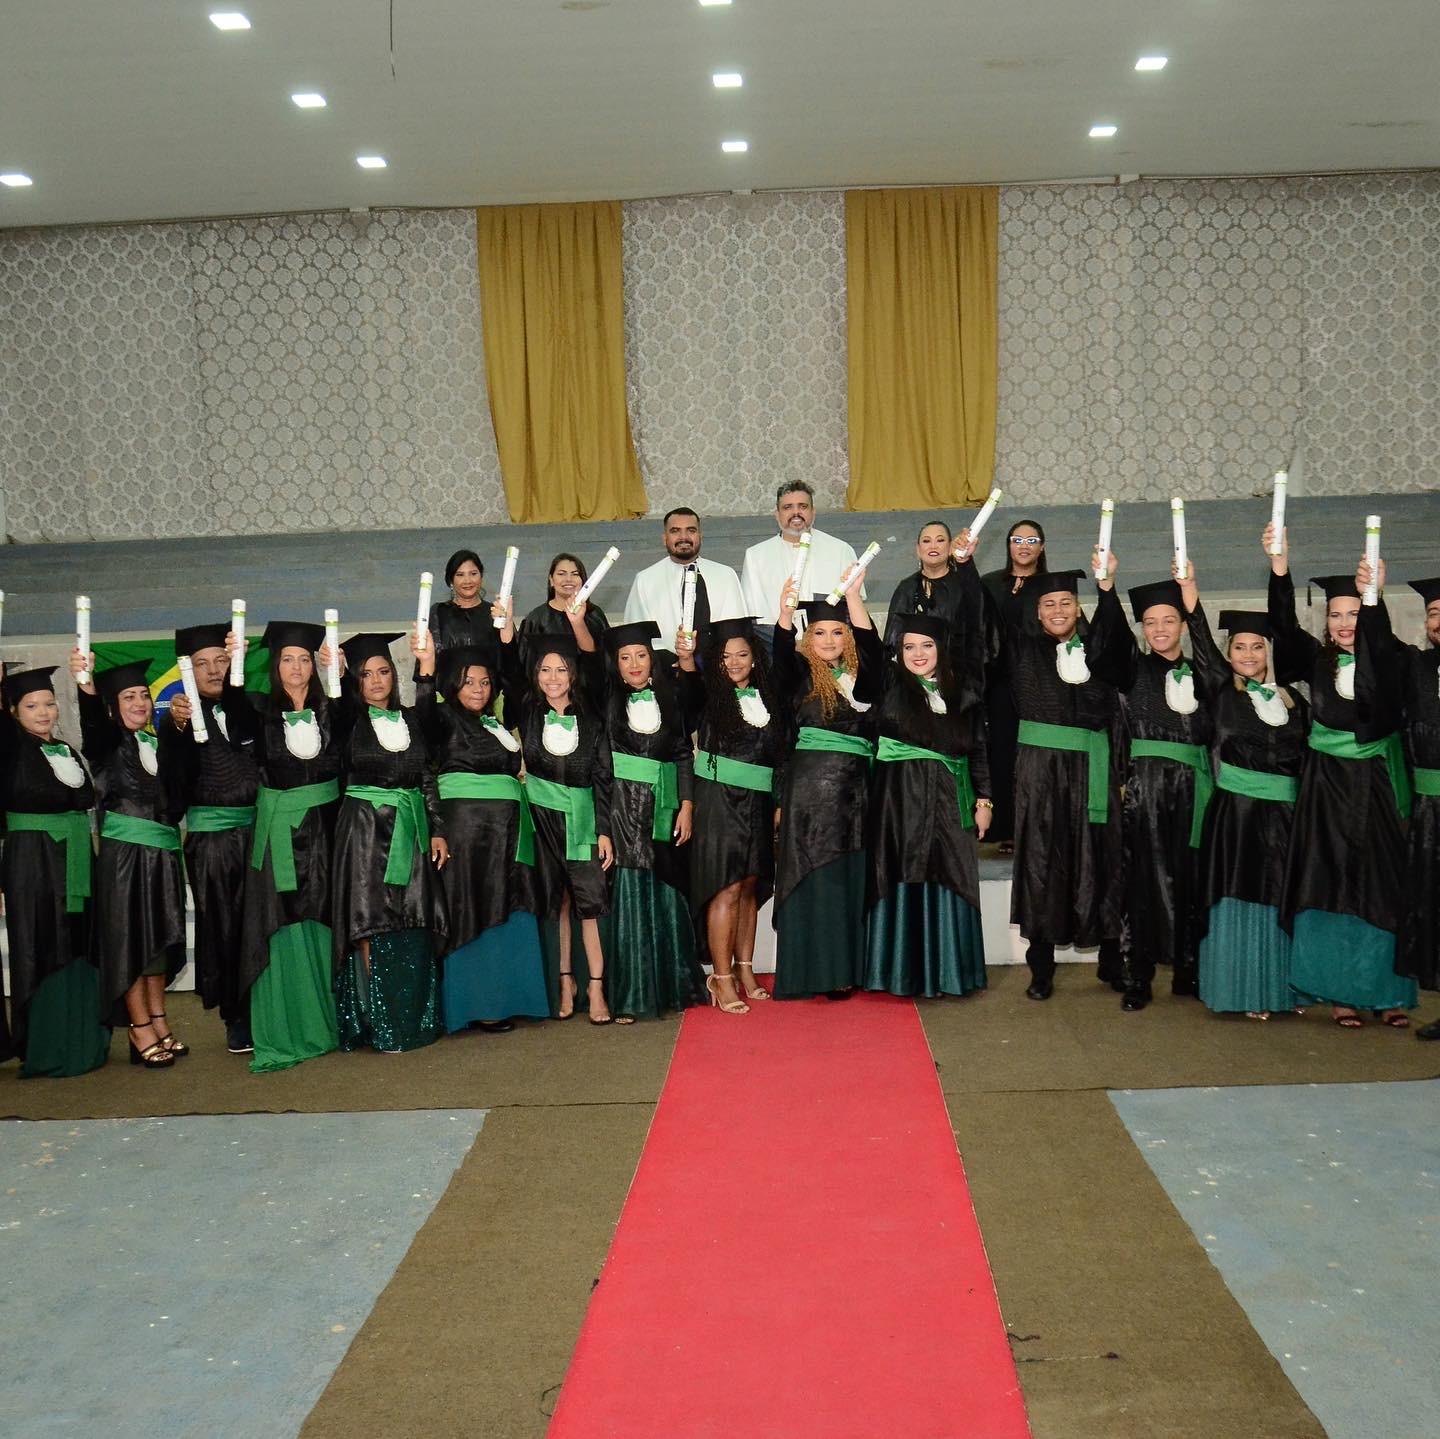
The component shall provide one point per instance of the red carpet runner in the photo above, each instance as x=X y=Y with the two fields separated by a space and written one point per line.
x=798 y=1255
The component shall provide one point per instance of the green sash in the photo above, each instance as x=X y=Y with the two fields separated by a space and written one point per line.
x=1095 y=743
x=1198 y=758
x=412 y=826
x=1342 y=744
x=278 y=814
x=1427 y=782
x=577 y=804
x=1258 y=783
x=130 y=830
x=958 y=765
x=460 y=784
x=216 y=818
x=737 y=773
x=664 y=780
x=830 y=741
x=72 y=829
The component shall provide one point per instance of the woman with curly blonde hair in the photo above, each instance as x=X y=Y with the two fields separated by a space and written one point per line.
x=832 y=677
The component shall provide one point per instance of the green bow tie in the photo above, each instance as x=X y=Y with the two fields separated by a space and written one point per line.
x=299 y=716
x=1182 y=671
x=564 y=721
x=1255 y=687
x=640 y=696
x=932 y=685
x=839 y=671
x=1074 y=643
x=490 y=722
x=741 y=694
x=55 y=749
x=377 y=713
x=1344 y=661
x=143 y=736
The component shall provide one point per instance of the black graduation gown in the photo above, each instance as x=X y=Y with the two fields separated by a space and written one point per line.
x=589 y=765
x=1009 y=609
x=1412 y=676
x=222 y=771
x=1161 y=921
x=823 y=795
x=1347 y=851
x=139 y=891
x=734 y=828
x=916 y=595
x=267 y=909
x=483 y=881
x=453 y=626
x=1068 y=884
x=543 y=620
x=42 y=937
x=632 y=803
x=362 y=904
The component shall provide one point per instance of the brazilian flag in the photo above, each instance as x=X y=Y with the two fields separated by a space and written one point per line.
x=164 y=672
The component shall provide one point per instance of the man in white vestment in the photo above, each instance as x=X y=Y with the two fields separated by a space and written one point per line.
x=770 y=563
x=658 y=591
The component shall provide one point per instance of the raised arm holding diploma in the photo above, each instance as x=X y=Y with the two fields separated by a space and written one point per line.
x=507 y=584
x=1102 y=545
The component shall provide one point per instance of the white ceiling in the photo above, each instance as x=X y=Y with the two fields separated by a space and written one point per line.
x=139 y=109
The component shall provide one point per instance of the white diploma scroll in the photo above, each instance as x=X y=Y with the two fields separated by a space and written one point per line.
x=854 y=574
x=197 y=715
x=978 y=524
x=687 y=601
x=2 y=611
x=332 y=640
x=422 y=605
x=1277 y=512
x=1372 y=558
x=237 y=656
x=82 y=634
x=507 y=582
x=1102 y=545
x=598 y=574
x=797 y=570
x=1177 y=525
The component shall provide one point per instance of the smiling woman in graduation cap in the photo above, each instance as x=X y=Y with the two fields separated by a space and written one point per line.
x=833 y=676
x=286 y=965
x=1410 y=676
x=139 y=889
x=1345 y=876
x=388 y=908
x=46 y=868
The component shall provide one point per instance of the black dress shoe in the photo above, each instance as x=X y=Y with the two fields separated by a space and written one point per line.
x=1135 y=999
x=1040 y=989
x=839 y=994
x=1429 y=1031
x=495 y=1026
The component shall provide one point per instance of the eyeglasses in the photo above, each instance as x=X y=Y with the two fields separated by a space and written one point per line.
x=1026 y=540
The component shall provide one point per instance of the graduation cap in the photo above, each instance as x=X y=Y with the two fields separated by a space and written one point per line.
x=292 y=634
x=1161 y=592
x=1246 y=622
x=718 y=632
x=1054 y=582
x=25 y=682
x=553 y=644
x=194 y=638
x=937 y=627
x=637 y=632
x=1337 y=587
x=823 y=610
x=369 y=646
x=454 y=662
x=122 y=677
x=1428 y=590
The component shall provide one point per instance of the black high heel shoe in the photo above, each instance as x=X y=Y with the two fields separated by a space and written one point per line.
x=155 y=1057
x=172 y=1045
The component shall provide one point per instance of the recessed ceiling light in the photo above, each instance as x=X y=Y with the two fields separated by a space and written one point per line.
x=15 y=180
x=370 y=162
x=734 y=147
x=1102 y=132
x=1152 y=62
x=708 y=3
x=229 y=20
x=727 y=79
x=309 y=99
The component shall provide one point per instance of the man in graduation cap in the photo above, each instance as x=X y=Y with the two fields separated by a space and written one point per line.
x=1067 y=881
x=1412 y=675
x=1167 y=784
x=217 y=782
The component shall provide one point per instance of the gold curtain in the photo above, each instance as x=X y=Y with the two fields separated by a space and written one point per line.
x=552 y=305
x=922 y=286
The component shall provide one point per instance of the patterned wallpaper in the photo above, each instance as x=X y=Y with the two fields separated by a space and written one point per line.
x=297 y=374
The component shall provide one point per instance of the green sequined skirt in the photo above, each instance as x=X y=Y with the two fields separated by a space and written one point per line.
x=392 y=1003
